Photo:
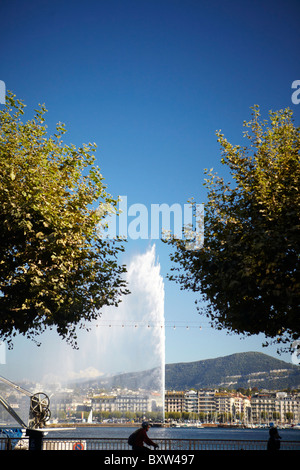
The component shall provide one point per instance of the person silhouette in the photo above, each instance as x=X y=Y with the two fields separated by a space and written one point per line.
x=140 y=437
x=274 y=439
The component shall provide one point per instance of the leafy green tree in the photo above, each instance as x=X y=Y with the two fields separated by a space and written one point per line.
x=289 y=416
x=56 y=270
x=247 y=273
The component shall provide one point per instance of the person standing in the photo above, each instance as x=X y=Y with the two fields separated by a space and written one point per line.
x=274 y=439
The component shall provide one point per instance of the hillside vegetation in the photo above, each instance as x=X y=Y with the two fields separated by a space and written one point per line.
x=251 y=369
x=241 y=370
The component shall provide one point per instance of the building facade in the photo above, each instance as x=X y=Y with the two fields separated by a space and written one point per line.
x=174 y=402
x=191 y=404
x=122 y=403
x=279 y=407
x=276 y=406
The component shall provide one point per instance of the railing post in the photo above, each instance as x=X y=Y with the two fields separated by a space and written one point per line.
x=8 y=444
x=35 y=439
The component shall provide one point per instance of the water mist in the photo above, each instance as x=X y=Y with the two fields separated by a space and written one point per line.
x=128 y=338
x=131 y=337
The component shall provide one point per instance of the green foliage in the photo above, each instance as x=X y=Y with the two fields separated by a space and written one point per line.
x=247 y=273
x=55 y=269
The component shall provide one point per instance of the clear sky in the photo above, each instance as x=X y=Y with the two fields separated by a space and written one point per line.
x=150 y=82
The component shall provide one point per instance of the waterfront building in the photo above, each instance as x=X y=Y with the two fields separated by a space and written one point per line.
x=122 y=402
x=174 y=401
x=263 y=407
x=211 y=404
x=133 y=403
x=207 y=403
x=102 y=403
x=275 y=406
x=289 y=407
x=191 y=402
x=224 y=403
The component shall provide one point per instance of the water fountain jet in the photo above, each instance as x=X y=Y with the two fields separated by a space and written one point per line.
x=106 y=351
x=136 y=338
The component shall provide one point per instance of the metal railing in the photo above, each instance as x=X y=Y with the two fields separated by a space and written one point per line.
x=108 y=444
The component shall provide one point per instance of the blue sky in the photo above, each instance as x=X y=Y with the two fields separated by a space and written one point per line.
x=150 y=82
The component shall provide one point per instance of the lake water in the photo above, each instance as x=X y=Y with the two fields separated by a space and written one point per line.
x=177 y=433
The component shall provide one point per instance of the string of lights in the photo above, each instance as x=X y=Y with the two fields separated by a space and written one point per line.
x=151 y=324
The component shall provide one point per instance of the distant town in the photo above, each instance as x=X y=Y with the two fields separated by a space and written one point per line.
x=205 y=407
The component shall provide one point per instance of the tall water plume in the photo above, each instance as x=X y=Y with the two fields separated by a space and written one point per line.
x=133 y=335
x=129 y=338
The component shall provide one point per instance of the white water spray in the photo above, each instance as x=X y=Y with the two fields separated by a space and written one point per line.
x=128 y=338
x=131 y=337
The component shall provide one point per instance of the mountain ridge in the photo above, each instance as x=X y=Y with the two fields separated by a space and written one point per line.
x=238 y=370
x=250 y=369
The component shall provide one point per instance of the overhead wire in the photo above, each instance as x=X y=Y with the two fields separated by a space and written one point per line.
x=151 y=324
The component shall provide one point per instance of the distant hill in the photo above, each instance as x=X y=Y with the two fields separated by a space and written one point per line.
x=251 y=369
